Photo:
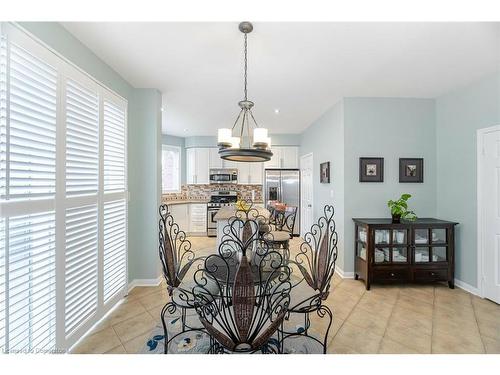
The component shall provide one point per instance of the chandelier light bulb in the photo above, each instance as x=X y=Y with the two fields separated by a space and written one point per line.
x=224 y=136
x=260 y=137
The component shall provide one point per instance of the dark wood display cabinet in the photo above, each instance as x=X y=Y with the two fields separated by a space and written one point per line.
x=417 y=251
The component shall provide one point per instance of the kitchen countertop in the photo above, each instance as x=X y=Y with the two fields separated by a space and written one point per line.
x=226 y=212
x=184 y=201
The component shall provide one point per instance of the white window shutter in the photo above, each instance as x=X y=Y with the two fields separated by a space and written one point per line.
x=32 y=127
x=3 y=310
x=81 y=266
x=82 y=139
x=114 y=148
x=115 y=255
x=32 y=282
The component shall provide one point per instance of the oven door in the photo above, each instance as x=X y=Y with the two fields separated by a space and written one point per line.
x=211 y=223
x=222 y=178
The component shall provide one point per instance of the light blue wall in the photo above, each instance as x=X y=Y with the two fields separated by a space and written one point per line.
x=144 y=139
x=325 y=140
x=391 y=128
x=458 y=115
x=144 y=183
x=180 y=142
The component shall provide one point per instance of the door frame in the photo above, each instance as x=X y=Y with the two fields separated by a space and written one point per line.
x=480 y=249
x=303 y=228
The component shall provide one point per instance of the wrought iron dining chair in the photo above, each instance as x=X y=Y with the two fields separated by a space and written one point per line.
x=253 y=292
x=315 y=260
x=280 y=229
x=177 y=258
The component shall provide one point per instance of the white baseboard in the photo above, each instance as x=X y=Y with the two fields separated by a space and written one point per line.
x=467 y=287
x=144 y=282
x=344 y=275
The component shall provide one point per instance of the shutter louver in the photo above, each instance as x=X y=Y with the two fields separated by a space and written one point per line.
x=32 y=127
x=3 y=310
x=3 y=115
x=115 y=229
x=82 y=140
x=114 y=148
x=81 y=266
x=32 y=282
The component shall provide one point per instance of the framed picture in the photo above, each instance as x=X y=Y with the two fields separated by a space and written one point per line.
x=324 y=172
x=371 y=169
x=411 y=170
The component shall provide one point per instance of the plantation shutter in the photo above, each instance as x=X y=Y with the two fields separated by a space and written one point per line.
x=114 y=248
x=3 y=310
x=82 y=139
x=114 y=148
x=32 y=282
x=32 y=127
x=81 y=266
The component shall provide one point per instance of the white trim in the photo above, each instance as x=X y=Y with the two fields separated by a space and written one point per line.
x=345 y=275
x=479 y=152
x=144 y=282
x=468 y=288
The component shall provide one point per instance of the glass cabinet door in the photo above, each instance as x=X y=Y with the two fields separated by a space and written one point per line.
x=421 y=236
x=382 y=236
x=361 y=250
x=439 y=254
x=438 y=236
x=382 y=255
x=422 y=255
x=399 y=237
x=400 y=254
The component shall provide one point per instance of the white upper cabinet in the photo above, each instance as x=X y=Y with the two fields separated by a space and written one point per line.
x=284 y=157
x=197 y=162
x=215 y=159
x=250 y=173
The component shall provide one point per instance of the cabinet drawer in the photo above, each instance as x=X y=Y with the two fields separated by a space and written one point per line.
x=398 y=274
x=427 y=274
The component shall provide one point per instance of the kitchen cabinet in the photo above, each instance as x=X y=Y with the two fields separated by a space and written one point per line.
x=198 y=218
x=215 y=160
x=250 y=173
x=180 y=214
x=283 y=157
x=197 y=166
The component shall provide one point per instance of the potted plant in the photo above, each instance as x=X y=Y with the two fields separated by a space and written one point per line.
x=399 y=209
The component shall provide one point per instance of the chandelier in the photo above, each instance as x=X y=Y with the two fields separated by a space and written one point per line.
x=241 y=146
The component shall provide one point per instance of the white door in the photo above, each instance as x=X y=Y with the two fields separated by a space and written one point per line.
x=306 y=193
x=489 y=210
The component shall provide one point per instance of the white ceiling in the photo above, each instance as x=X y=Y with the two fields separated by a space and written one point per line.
x=300 y=68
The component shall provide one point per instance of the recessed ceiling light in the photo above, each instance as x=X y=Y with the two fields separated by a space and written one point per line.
x=185 y=130
x=162 y=109
x=277 y=111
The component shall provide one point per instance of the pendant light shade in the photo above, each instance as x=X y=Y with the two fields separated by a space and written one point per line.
x=239 y=143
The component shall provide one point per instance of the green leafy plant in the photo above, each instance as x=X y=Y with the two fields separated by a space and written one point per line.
x=399 y=208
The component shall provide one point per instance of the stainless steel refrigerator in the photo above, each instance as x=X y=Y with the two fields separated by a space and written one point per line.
x=284 y=185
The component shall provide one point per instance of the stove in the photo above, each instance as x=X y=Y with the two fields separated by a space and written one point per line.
x=218 y=199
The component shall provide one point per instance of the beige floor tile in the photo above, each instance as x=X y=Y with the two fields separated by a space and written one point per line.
x=99 y=342
x=118 y=350
x=134 y=327
x=414 y=304
x=354 y=287
x=370 y=320
x=159 y=298
x=386 y=290
x=458 y=342
x=354 y=339
x=424 y=293
x=410 y=337
x=484 y=303
x=412 y=319
x=126 y=310
x=389 y=346
x=490 y=329
x=381 y=304
x=143 y=291
x=492 y=345
x=446 y=297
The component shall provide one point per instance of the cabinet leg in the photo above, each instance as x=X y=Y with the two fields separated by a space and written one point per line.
x=356 y=276
x=367 y=285
x=451 y=284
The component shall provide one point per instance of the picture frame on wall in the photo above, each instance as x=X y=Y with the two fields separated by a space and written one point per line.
x=371 y=169
x=324 y=172
x=411 y=170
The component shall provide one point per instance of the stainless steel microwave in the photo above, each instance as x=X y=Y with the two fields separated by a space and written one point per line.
x=223 y=176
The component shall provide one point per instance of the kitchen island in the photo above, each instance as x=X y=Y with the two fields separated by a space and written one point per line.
x=225 y=213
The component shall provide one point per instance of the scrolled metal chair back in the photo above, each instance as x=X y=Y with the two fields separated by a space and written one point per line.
x=284 y=220
x=318 y=253
x=252 y=295
x=174 y=249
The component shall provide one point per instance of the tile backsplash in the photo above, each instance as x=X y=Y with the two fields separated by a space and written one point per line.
x=202 y=192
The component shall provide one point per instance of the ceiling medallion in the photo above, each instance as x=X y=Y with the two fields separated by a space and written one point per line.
x=242 y=146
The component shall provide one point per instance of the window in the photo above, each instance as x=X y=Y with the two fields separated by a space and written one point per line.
x=63 y=187
x=170 y=169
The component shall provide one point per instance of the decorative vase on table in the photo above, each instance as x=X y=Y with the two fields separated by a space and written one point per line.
x=396 y=218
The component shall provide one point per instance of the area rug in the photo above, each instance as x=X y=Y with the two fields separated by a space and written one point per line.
x=195 y=342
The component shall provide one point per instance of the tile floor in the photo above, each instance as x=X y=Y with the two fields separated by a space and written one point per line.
x=386 y=319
